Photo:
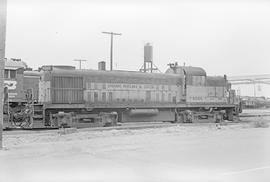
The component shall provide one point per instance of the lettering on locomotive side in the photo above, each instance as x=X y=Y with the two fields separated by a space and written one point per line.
x=114 y=86
x=12 y=95
x=130 y=86
x=109 y=86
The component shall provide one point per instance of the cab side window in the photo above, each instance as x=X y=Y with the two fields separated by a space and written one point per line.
x=12 y=73
x=198 y=80
x=6 y=74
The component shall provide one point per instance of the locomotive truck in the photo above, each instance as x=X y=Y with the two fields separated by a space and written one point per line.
x=87 y=98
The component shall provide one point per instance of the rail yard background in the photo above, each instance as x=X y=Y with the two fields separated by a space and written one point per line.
x=206 y=118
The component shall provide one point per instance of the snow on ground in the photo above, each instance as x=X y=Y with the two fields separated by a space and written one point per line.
x=193 y=152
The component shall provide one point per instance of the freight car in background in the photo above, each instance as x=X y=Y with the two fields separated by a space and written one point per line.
x=255 y=102
x=86 y=98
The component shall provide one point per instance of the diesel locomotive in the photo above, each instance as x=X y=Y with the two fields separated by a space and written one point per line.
x=62 y=95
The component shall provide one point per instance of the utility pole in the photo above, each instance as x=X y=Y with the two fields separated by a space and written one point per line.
x=80 y=62
x=111 y=55
x=3 y=22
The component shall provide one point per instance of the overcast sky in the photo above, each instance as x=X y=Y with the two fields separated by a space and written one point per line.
x=223 y=37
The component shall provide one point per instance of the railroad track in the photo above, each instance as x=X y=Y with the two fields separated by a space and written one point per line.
x=123 y=126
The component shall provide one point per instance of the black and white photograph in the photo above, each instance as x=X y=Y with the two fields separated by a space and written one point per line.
x=134 y=90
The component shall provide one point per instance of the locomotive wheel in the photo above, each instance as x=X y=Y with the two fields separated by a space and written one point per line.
x=229 y=115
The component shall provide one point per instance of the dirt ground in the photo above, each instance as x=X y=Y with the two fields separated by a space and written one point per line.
x=186 y=152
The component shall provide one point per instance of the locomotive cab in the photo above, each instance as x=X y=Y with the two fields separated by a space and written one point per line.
x=191 y=76
x=202 y=92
